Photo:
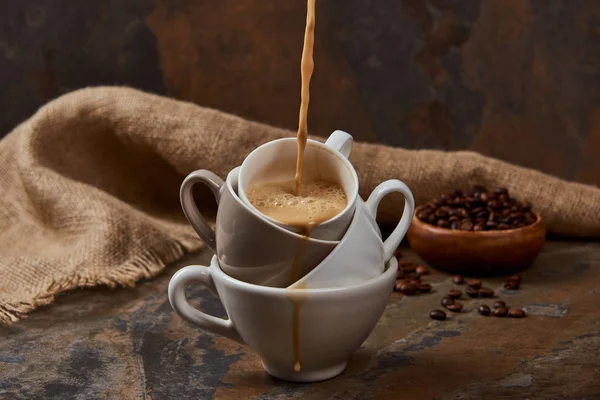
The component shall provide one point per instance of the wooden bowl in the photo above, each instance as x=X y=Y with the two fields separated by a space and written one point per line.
x=477 y=253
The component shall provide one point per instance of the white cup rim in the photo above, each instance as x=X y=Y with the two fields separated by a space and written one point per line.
x=268 y=221
x=391 y=268
x=312 y=142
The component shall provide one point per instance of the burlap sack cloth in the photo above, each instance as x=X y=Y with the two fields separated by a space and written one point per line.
x=90 y=188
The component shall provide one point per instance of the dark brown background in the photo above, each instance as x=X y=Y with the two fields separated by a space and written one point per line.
x=514 y=79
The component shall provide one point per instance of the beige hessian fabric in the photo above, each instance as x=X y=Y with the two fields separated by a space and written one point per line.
x=90 y=188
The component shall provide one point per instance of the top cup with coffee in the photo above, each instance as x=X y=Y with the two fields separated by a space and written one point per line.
x=323 y=205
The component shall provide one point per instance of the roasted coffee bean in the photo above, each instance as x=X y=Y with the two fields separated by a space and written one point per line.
x=479 y=227
x=466 y=225
x=408 y=267
x=511 y=285
x=400 y=274
x=413 y=275
x=458 y=279
x=398 y=285
x=438 y=315
x=408 y=289
x=454 y=293
x=516 y=215
x=447 y=300
x=499 y=303
x=443 y=223
x=486 y=292
x=471 y=292
x=515 y=277
x=503 y=226
x=494 y=204
x=516 y=313
x=477 y=210
x=423 y=270
x=431 y=218
x=413 y=281
x=459 y=201
x=441 y=213
x=455 y=225
x=474 y=283
x=456 y=307
x=484 y=310
x=501 y=191
x=423 y=214
x=482 y=215
x=491 y=225
x=424 y=287
x=500 y=312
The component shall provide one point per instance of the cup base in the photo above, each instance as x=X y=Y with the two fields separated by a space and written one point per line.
x=305 y=376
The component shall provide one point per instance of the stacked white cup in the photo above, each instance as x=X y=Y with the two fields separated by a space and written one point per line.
x=343 y=263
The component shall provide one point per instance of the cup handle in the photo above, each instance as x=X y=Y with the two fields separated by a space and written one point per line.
x=200 y=274
x=341 y=141
x=198 y=222
x=391 y=186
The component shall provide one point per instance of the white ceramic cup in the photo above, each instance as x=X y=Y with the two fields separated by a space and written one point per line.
x=333 y=323
x=275 y=161
x=249 y=247
x=361 y=255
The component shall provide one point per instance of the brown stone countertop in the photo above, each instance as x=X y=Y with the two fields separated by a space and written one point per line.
x=129 y=344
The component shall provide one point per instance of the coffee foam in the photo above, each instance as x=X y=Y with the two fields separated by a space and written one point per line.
x=318 y=201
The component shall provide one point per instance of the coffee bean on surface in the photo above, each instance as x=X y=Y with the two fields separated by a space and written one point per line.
x=512 y=285
x=398 y=285
x=458 y=279
x=477 y=210
x=454 y=293
x=408 y=289
x=438 y=315
x=408 y=267
x=423 y=270
x=486 y=292
x=472 y=292
x=414 y=275
x=447 y=300
x=499 y=303
x=424 y=287
x=474 y=283
x=456 y=307
x=484 y=310
x=500 y=312
x=516 y=313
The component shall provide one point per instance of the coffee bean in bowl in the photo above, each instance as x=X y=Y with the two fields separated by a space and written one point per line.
x=484 y=232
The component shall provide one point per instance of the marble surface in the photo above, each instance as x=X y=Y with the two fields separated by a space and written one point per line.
x=129 y=344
